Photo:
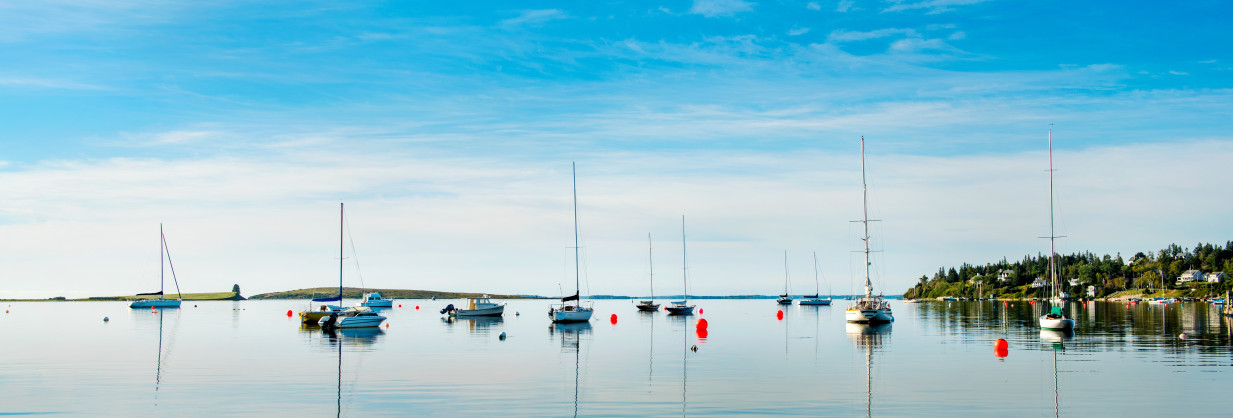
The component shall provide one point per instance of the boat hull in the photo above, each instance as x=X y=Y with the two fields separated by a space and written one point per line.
x=648 y=307
x=680 y=310
x=869 y=316
x=379 y=304
x=816 y=302
x=155 y=303
x=571 y=313
x=493 y=311
x=783 y=301
x=1057 y=324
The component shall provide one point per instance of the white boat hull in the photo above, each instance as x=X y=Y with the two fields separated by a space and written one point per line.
x=869 y=316
x=360 y=321
x=571 y=313
x=1057 y=324
x=155 y=303
x=815 y=302
x=493 y=311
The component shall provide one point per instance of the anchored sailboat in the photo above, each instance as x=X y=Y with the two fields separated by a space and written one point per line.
x=815 y=300
x=649 y=305
x=161 y=302
x=576 y=312
x=1055 y=319
x=682 y=307
x=868 y=309
x=334 y=316
x=785 y=299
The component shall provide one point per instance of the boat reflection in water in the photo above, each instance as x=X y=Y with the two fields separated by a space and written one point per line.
x=1057 y=341
x=481 y=325
x=868 y=337
x=571 y=334
x=156 y=320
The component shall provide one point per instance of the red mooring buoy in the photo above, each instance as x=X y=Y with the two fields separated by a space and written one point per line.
x=702 y=324
x=779 y=315
x=288 y=313
x=1001 y=344
x=612 y=319
x=699 y=311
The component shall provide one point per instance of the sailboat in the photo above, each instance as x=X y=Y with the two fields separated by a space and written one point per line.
x=868 y=309
x=785 y=299
x=1055 y=319
x=161 y=302
x=333 y=316
x=815 y=300
x=682 y=307
x=649 y=305
x=576 y=312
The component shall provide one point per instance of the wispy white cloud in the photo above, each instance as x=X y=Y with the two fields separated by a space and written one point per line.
x=813 y=5
x=716 y=8
x=534 y=18
x=46 y=83
x=933 y=6
x=798 y=31
x=842 y=35
x=1175 y=72
x=845 y=6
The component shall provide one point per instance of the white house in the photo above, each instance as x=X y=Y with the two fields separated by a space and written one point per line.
x=1215 y=277
x=1074 y=282
x=1190 y=276
x=1091 y=291
x=1003 y=276
x=1039 y=282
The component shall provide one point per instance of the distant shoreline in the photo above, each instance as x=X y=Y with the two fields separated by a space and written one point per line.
x=357 y=293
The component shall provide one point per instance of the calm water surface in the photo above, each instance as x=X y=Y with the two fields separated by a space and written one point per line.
x=249 y=358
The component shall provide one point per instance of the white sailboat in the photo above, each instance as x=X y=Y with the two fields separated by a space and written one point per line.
x=682 y=307
x=1055 y=319
x=161 y=302
x=649 y=305
x=785 y=299
x=817 y=287
x=577 y=312
x=868 y=309
x=357 y=317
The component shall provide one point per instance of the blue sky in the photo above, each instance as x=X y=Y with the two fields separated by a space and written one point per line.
x=449 y=129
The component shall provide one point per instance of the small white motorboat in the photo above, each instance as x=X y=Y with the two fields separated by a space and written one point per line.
x=358 y=317
x=482 y=306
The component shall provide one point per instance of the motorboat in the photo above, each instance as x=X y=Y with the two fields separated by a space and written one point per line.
x=481 y=306
x=374 y=300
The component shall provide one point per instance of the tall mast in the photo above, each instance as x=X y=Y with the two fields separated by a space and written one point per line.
x=162 y=242
x=1052 y=267
x=650 y=262
x=340 y=252
x=785 y=272
x=684 y=264
x=817 y=287
x=577 y=269
x=865 y=208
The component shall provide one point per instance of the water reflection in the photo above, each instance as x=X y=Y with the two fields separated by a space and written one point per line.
x=161 y=321
x=1057 y=341
x=571 y=341
x=481 y=325
x=869 y=337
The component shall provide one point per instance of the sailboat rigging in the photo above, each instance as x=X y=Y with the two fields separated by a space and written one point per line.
x=576 y=312
x=334 y=316
x=161 y=302
x=868 y=309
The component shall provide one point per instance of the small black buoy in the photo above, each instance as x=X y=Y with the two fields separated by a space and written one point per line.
x=501 y=337
x=105 y=319
x=516 y=313
x=694 y=348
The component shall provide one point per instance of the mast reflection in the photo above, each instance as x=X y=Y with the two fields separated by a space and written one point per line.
x=868 y=337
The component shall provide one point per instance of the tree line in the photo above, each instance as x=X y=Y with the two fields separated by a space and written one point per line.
x=1108 y=275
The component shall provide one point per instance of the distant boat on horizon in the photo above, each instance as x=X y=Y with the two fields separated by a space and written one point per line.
x=161 y=302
